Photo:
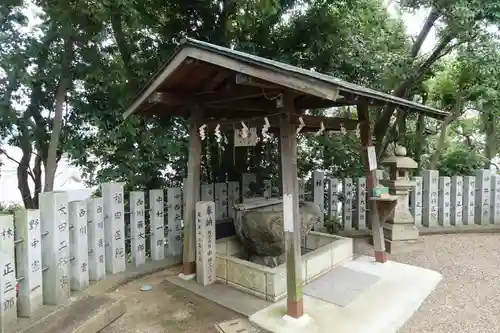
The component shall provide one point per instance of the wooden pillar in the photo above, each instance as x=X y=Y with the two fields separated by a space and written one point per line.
x=371 y=181
x=192 y=195
x=295 y=307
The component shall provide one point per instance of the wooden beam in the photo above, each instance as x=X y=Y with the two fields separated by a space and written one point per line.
x=295 y=305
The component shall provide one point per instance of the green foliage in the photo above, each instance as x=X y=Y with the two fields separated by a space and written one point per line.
x=460 y=161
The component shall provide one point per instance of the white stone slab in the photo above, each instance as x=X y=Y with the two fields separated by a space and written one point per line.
x=457 y=199
x=444 y=201
x=175 y=235
x=207 y=192
x=29 y=262
x=361 y=204
x=220 y=201
x=205 y=242
x=8 y=299
x=157 y=220
x=495 y=200
x=233 y=191
x=114 y=227
x=268 y=188
x=430 y=198
x=469 y=204
x=79 y=250
x=416 y=201
x=483 y=196
x=54 y=219
x=385 y=306
x=138 y=227
x=348 y=188
x=318 y=181
x=333 y=197
x=97 y=254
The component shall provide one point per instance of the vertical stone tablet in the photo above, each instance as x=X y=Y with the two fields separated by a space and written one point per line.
x=221 y=201
x=246 y=180
x=79 y=250
x=319 y=191
x=233 y=190
x=444 y=201
x=333 y=197
x=469 y=204
x=29 y=262
x=457 y=198
x=205 y=242
x=430 y=198
x=175 y=235
x=347 y=205
x=8 y=299
x=54 y=219
x=495 y=200
x=483 y=196
x=302 y=190
x=416 y=201
x=157 y=220
x=97 y=255
x=138 y=227
x=361 y=204
x=114 y=227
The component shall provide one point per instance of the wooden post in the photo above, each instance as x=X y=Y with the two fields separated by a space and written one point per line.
x=192 y=195
x=371 y=181
x=295 y=306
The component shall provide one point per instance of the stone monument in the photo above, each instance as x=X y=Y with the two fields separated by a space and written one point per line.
x=400 y=232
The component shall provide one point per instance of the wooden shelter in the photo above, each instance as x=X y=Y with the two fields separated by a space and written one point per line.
x=213 y=85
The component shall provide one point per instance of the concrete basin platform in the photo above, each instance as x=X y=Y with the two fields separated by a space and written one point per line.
x=372 y=305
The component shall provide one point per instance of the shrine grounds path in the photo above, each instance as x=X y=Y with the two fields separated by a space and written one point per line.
x=467 y=300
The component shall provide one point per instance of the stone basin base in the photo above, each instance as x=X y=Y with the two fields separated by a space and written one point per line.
x=325 y=252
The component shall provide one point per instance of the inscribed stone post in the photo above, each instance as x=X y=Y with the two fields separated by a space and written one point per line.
x=416 y=201
x=347 y=204
x=95 y=217
x=79 y=250
x=29 y=262
x=138 y=227
x=8 y=299
x=220 y=201
x=175 y=236
x=495 y=199
x=302 y=190
x=361 y=204
x=444 y=201
x=184 y=196
x=114 y=227
x=267 y=188
x=233 y=190
x=157 y=220
x=246 y=180
x=55 y=247
x=205 y=242
x=457 y=188
x=469 y=203
x=333 y=198
x=207 y=192
x=379 y=174
x=483 y=196
x=430 y=198
x=319 y=191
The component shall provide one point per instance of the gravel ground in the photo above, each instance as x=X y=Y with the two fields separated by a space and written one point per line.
x=467 y=300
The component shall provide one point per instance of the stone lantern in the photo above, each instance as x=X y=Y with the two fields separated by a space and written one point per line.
x=400 y=233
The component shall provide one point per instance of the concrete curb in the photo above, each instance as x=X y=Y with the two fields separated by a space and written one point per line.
x=464 y=229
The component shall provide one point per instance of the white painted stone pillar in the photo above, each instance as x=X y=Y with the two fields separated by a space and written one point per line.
x=457 y=187
x=54 y=219
x=347 y=204
x=8 y=299
x=361 y=204
x=157 y=220
x=114 y=227
x=205 y=242
x=495 y=199
x=430 y=198
x=138 y=227
x=97 y=255
x=416 y=201
x=207 y=192
x=318 y=181
x=79 y=250
x=483 y=196
x=174 y=240
x=29 y=262
x=233 y=189
x=333 y=197
x=221 y=201
x=444 y=201
x=302 y=190
x=267 y=188
x=469 y=203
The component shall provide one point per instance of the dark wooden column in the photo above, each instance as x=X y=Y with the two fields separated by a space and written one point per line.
x=295 y=305
x=371 y=182
x=192 y=193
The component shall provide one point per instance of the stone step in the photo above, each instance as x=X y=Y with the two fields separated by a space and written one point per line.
x=89 y=314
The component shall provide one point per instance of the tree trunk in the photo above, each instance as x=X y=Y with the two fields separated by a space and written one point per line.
x=420 y=138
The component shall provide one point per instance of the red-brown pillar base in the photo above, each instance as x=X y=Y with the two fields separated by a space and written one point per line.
x=189 y=268
x=381 y=256
x=295 y=309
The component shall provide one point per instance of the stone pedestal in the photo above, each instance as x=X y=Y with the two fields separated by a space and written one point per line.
x=400 y=232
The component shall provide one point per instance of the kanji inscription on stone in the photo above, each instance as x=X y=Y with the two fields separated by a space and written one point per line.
x=175 y=235
x=138 y=227
x=430 y=198
x=205 y=242
x=97 y=255
x=8 y=299
x=114 y=227
x=157 y=220
x=79 y=245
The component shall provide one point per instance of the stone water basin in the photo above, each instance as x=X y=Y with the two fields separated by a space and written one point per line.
x=323 y=252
